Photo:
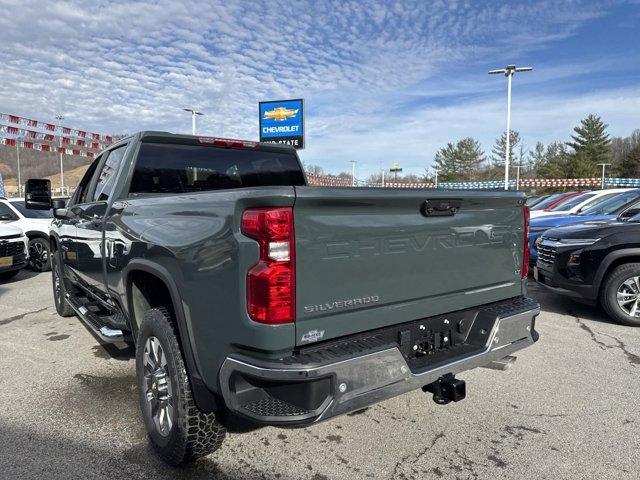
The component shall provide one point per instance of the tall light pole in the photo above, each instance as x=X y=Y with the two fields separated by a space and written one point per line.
x=193 y=118
x=435 y=171
x=603 y=165
x=60 y=118
x=508 y=72
x=517 y=167
x=353 y=172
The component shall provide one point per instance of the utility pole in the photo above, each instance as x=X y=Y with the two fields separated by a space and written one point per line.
x=60 y=118
x=435 y=170
x=193 y=118
x=517 y=167
x=353 y=172
x=18 y=161
x=603 y=165
x=508 y=72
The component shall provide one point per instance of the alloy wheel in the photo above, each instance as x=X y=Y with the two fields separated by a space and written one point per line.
x=159 y=393
x=38 y=256
x=628 y=296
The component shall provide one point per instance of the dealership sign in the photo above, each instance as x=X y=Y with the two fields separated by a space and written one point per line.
x=282 y=121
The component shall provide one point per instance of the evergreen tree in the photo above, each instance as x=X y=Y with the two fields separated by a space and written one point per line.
x=630 y=164
x=591 y=144
x=500 y=147
x=555 y=161
x=461 y=161
x=537 y=157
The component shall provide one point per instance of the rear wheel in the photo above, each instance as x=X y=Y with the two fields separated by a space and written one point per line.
x=177 y=429
x=620 y=295
x=39 y=260
x=59 y=288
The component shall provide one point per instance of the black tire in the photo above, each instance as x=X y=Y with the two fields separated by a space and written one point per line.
x=39 y=255
x=8 y=275
x=608 y=295
x=191 y=433
x=59 y=288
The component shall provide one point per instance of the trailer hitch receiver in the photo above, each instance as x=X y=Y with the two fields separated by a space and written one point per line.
x=446 y=389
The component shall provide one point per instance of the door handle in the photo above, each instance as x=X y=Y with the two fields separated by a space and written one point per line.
x=440 y=207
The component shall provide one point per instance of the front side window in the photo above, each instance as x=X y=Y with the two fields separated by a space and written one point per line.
x=108 y=174
x=83 y=187
x=173 y=168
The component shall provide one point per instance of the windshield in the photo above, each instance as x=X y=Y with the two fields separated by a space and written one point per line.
x=19 y=205
x=548 y=201
x=573 y=201
x=611 y=204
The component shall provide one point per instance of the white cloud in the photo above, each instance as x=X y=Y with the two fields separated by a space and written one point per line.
x=119 y=67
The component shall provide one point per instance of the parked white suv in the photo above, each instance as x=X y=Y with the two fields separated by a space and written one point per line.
x=35 y=224
x=13 y=251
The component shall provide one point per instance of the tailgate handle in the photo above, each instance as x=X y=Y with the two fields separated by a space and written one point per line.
x=440 y=207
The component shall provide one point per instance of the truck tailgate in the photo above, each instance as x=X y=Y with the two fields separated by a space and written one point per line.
x=368 y=258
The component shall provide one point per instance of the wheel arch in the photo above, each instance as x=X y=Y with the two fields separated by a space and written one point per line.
x=31 y=234
x=612 y=261
x=139 y=270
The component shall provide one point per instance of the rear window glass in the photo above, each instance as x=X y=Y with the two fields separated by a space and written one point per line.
x=168 y=168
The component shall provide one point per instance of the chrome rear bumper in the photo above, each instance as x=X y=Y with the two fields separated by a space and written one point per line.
x=354 y=383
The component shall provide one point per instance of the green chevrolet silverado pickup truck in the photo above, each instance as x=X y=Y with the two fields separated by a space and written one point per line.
x=246 y=292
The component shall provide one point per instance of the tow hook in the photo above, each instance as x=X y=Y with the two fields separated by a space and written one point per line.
x=446 y=389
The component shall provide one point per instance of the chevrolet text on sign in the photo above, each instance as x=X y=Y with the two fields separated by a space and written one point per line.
x=282 y=121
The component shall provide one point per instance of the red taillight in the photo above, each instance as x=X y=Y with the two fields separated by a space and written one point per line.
x=524 y=272
x=271 y=296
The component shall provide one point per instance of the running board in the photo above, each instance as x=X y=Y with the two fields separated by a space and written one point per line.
x=94 y=323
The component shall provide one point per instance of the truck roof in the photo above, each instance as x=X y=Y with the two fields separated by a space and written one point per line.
x=168 y=137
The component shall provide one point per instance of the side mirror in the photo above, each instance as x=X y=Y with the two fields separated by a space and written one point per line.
x=37 y=194
x=59 y=209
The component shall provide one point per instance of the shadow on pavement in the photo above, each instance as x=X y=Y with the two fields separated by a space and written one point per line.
x=552 y=302
x=27 y=453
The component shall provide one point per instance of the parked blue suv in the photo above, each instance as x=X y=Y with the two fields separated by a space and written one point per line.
x=625 y=203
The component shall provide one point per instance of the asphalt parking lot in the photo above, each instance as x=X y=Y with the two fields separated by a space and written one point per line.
x=567 y=409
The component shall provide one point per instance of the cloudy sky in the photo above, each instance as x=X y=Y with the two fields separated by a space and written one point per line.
x=382 y=81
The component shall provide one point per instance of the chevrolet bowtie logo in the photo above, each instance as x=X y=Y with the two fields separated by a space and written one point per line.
x=280 y=113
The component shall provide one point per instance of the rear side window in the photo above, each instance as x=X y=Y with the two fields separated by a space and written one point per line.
x=108 y=174
x=168 y=168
